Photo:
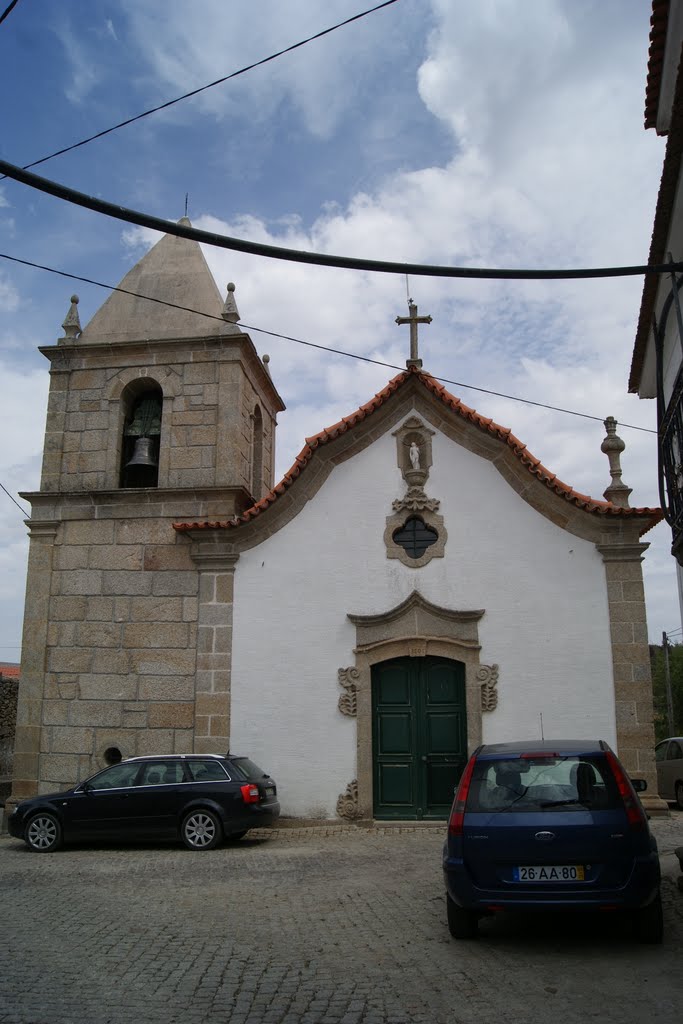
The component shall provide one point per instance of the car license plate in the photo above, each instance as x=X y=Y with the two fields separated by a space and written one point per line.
x=549 y=873
x=270 y=791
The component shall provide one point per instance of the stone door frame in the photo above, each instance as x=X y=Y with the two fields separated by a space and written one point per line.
x=416 y=628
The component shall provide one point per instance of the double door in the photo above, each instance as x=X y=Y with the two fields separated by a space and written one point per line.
x=419 y=736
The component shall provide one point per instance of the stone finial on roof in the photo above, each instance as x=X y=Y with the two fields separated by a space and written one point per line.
x=230 y=311
x=613 y=446
x=265 y=359
x=72 y=323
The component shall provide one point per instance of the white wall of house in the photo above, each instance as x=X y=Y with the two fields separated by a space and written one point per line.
x=545 y=624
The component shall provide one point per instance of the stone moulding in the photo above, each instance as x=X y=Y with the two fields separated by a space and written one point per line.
x=413 y=433
x=413 y=628
x=487 y=677
x=348 y=702
x=347 y=804
x=415 y=501
x=436 y=550
x=413 y=430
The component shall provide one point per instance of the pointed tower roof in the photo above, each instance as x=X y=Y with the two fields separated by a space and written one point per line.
x=173 y=271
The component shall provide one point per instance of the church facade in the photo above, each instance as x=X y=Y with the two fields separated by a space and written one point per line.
x=416 y=584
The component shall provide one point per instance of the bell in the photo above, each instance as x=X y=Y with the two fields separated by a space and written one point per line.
x=142 y=453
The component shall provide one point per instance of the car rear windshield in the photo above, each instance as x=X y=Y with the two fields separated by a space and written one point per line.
x=531 y=783
x=248 y=769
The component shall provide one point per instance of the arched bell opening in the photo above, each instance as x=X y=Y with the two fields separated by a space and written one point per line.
x=141 y=435
x=257 y=454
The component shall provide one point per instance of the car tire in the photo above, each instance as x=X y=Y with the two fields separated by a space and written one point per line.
x=43 y=833
x=462 y=924
x=679 y=795
x=238 y=835
x=201 y=830
x=649 y=922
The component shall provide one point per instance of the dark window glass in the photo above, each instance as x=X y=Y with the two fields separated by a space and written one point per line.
x=161 y=773
x=674 y=751
x=116 y=777
x=660 y=751
x=207 y=771
x=415 y=537
x=543 y=783
x=248 y=769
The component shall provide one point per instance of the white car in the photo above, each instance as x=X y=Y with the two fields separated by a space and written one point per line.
x=669 y=757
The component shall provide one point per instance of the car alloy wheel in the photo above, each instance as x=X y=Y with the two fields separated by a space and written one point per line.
x=201 y=830
x=44 y=833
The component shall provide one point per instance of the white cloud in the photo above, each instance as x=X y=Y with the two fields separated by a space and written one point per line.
x=547 y=165
x=319 y=81
x=9 y=297
x=84 y=71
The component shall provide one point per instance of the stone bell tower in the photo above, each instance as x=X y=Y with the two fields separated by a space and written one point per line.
x=158 y=411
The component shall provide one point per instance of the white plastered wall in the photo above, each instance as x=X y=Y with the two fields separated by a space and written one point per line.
x=545 y=624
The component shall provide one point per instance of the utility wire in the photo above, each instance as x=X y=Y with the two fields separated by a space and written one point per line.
x=23 y=511
x=312 y=344
x=168 y=227
x=8 y=10
x=203 y=88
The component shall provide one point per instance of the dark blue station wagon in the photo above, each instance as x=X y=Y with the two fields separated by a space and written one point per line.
x=198 y=798
x=554 y=825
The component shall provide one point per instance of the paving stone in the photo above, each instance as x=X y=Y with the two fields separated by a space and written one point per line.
x=326 y=925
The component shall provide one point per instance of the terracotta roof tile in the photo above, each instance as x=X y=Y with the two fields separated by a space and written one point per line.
x=534 y=465
x=658 y=26
x=9 y=671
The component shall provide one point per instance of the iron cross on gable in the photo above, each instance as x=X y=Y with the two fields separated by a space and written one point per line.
x=413 y=320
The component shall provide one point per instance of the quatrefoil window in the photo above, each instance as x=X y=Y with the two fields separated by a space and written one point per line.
x=415 y=537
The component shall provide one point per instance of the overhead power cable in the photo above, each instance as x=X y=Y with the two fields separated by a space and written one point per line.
x=312 y=344
x=168 y=227
x=22 y=510
x=203 y=88
x=8 y=10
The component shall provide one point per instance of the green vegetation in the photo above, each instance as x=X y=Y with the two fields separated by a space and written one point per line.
x=658 y=661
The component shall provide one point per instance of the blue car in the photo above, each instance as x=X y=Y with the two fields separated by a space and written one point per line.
x=553 y=825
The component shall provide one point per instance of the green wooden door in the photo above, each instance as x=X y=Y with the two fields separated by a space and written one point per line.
x=419 y=736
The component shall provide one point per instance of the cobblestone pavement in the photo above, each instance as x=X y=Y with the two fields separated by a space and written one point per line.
x=300 y=926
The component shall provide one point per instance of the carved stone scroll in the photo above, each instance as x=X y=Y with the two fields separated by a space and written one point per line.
x=348 y=702
x=487 y=677
x=347 y=804
x=415 y=501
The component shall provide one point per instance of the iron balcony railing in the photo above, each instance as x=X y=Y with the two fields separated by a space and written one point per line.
x=671 y=464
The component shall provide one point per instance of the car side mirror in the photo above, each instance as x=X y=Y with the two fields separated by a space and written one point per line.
x=640 y=785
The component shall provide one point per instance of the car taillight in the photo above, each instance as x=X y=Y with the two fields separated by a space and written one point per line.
x=455 y=822
x=250 y=793
x=634 y=810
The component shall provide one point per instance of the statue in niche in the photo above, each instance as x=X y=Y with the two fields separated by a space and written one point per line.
x=414 y=455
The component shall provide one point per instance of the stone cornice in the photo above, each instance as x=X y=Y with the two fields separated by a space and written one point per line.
x=622 y=552
x=232 y=348
x=409 y=640
x=134 y=496
x=213 y=561
x=43 y=529
x=414 y=601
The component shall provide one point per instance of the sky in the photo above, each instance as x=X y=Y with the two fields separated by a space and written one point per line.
x=506 y=133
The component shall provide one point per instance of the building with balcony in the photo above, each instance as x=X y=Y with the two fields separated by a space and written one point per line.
x=657 y=364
